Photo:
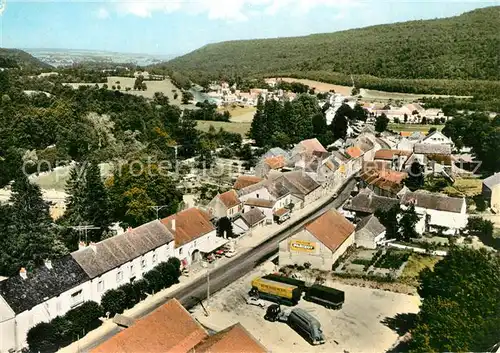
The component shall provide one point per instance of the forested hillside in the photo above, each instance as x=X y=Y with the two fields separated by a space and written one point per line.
x=464 y=47
x=15 y=58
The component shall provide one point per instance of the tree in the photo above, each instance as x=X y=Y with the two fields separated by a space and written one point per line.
x=431 y=130
x=42 y=338
x=155 y=280
x=225 y=228
x=138 y=82
x=186 y=97
x=407 y=223
x=389 y=219
x=319 y=124
x=416 y=178
x=88 y=202
x=135 y=187
x=424 y=121
x=339 y=126
x=354 y=91
x=381 y=123
x=360 y=113
x=461 y=305
x=114 y=301
x=29 y=236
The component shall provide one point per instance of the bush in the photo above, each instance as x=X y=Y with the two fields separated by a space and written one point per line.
x=154 y=279
x=131 y=295
x=177 y=265
x=141 y=288
x=42 y=338
x=84 y=318
x=393 y=260
x=168 y=273
x=114 y=301
x=480 y=203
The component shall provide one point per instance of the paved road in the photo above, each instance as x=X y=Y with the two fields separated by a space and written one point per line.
x=224 y=275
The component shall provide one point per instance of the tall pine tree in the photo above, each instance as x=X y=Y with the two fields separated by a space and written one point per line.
x=88 y=201
x=32 y=236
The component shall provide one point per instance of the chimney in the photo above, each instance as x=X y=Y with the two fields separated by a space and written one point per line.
x=172 y=224
x=93 y=246
x=48 y=264
x=129 y=229
x=23 y=273
x=81 y=245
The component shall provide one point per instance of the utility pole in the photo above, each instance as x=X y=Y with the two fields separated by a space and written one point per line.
x=158 y=208
x=84 y=229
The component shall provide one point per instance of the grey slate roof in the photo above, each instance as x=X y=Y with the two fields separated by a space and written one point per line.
x=114 y=252
x=253 y=216
x=42 y=284
x=434 y=201
x=429 y=148
x=367 y=202
x=370 y=224
x=299 y=183
x=277 y=189
x=492 y=181
x=276 y=151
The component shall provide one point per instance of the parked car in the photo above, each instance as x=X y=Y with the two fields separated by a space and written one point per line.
x=256 y=301
x=230 y=253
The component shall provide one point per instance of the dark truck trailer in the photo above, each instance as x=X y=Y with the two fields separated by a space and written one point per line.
x=281 y=293
x=287 y=280
x=330 y=298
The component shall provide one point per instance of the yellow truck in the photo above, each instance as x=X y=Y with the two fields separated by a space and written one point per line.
x=281 y=293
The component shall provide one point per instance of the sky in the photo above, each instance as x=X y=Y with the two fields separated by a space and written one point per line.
x=174 y=27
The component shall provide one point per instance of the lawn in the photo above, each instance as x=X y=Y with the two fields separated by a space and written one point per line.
x=465 y=187
x=239 y=128
x=413 y=127
x=416 y=263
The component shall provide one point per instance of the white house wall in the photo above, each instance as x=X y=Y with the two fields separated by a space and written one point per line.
x=7 y=326
x=262 y=193
x=185 y=252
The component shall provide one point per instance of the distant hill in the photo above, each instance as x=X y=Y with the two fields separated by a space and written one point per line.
x=15 y=58
x=465 y=47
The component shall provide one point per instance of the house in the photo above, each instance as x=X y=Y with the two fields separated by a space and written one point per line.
x=252 y=219
x=275 y=152
x=125 y=257
x=384 y=182
x=226 y=204
x=320 y=243
x=356 y=159
x=303 y=188
x=369 y=232
x=194 y=235
x=245 y=180
x=39 y=296
x=438 y=138
x=267 y=207
x=491 y=191
x=265 y=165
x=324 y=172
x=171 y=329
x=366 y=202
x=438 y=213
x=392 y=159
x=309 y=147
x=432 y=148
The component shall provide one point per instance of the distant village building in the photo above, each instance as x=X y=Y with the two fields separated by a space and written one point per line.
x=369 y=232
x=226 y=204
x=491 y=192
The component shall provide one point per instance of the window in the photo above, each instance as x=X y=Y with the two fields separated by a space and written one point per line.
x=195 y=243
x=58 y=306
x=119 y=276
x=180 y=251
x=76 y=298
x=100 y=286
x=143 y=263
x=154 y=258
x=132 y=269
x=257 y=195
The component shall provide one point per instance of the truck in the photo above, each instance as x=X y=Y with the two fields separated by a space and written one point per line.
x=330 y=298
x=277 y=292
x=299 y=320
x=287 y=280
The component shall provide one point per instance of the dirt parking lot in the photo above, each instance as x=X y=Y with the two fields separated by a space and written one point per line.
x=357 y=327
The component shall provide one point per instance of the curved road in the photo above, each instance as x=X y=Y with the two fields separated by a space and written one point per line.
x=222 y=276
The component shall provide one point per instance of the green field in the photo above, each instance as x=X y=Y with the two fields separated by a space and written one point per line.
x=239 y=128
x=413 y=127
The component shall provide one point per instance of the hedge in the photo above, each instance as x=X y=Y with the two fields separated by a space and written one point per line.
x=164 y=275
x=62 y=330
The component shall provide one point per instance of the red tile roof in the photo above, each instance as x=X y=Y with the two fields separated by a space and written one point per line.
x=190 y=224
x=354 y=152
x=260 y=203
x=234 y=339
x=387 y=154
x=331 y=228
x=230 y=198
x=245 y=180
x=170 y=328
x=405 y=133
x=275 y=162
x=281 y=212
